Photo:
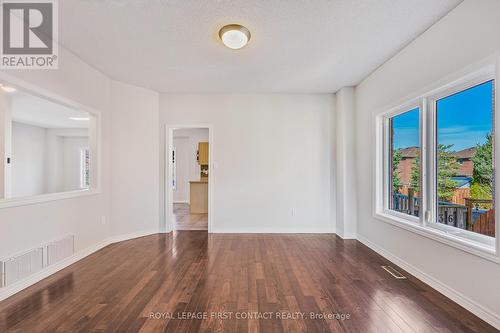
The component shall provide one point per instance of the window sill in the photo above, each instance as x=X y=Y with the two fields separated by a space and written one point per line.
x=16 y=202
x=463 y=244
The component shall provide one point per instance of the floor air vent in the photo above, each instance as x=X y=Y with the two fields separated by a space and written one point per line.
x=394 y=272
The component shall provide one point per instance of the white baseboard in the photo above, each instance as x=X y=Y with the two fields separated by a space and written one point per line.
x=14 y=288
x=484 y=313
x=270 y=231
x=347 y=235
x=133 y=235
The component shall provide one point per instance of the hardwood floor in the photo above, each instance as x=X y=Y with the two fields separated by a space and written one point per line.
x=134 y=286
x=186 y=221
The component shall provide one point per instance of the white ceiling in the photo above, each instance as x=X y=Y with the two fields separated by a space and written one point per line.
x=296 y=46
x=36 y=111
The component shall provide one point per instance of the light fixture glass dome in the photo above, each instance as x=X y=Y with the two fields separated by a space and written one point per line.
x=234 y=36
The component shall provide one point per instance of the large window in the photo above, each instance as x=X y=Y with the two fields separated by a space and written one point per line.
x=464 y=160
x=436 y=162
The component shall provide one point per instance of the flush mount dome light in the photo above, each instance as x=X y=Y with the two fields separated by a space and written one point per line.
x=234 y=36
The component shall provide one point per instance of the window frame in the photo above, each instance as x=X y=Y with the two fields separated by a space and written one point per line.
x=94 y=146
x=431 y=124
x=387 y=175
x=427 y=225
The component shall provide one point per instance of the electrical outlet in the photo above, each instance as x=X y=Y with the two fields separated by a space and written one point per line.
x=103 y=220
x=294 y=212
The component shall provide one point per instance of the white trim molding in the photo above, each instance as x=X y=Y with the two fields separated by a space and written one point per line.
x=346 y=235
x=15 y=202
x=168 y=200
x=482 y=312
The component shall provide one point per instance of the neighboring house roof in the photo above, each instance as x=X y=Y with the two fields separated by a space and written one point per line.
x=466 y=153
x=465 y=156
x=410 y=152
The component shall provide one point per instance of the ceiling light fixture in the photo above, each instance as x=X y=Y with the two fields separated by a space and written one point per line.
x=234 y=36
x=79 y=118
x=8 y=89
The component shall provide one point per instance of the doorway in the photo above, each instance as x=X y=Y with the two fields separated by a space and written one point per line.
x=188 y=191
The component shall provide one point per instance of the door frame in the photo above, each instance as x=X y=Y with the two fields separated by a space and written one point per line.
x=169 y=194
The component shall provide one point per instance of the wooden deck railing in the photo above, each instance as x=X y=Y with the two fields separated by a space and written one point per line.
x=476 y=215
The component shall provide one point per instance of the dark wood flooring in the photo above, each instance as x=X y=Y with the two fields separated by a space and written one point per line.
x=146 y=284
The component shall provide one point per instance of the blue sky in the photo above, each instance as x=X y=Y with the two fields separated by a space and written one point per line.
x=463 y=120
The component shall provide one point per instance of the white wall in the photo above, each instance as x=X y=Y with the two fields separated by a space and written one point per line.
x=45 y=160
x=135 y=176
x=28 y=160
x=81 y=216
x=72 y=149
x=5 y=143
x=271 y=155
x=94 y=219
x=186 y=143
x=467 y=35
x=62 y=169
x=345 y=165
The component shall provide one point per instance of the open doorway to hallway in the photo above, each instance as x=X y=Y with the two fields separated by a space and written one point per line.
x=190 y=178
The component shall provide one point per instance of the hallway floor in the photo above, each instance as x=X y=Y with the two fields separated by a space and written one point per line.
x=186 y=221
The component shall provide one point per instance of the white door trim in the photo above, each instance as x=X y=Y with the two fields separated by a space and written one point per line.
x=169 y=196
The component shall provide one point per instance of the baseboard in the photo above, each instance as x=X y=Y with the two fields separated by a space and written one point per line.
x=133 y=235
x=484 y=313
x=347 y=235
x=14 y=288
x=271 y=231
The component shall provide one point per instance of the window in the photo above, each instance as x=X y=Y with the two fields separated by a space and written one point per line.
x=436 y=164
x=404 y=159
x=464 y=131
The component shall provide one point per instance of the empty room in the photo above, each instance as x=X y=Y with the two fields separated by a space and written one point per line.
x=249 y=166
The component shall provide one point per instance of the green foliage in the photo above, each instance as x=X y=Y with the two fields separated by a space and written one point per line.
x=482 y=175
x=415 y=174
x=396 y=181
x=447 y=169
x=480 y=191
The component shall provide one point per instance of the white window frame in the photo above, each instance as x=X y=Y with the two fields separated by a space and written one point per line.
x=386 y=176
x=431 y=167
x=427 y=225
x=94 y=145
